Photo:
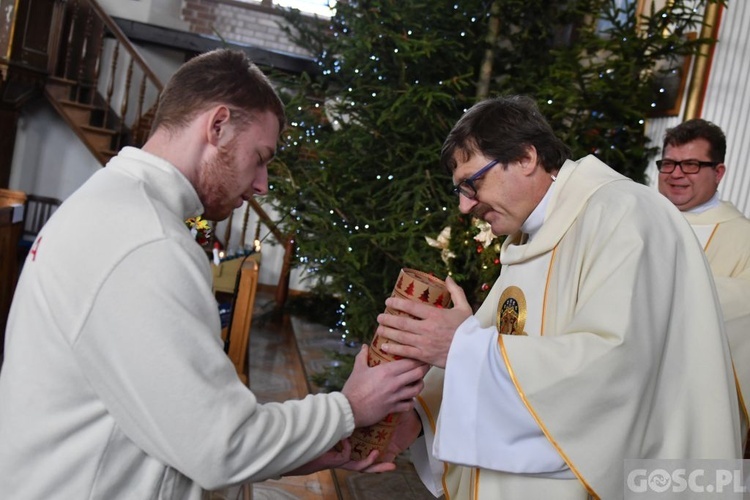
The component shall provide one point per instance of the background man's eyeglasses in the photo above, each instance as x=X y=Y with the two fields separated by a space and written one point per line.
x=466 y=187
x=687 y=166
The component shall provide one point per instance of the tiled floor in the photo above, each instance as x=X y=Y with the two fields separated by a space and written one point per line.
x=284 y=352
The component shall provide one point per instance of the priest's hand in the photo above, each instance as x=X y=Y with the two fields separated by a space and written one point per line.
x=374 y=392
x=428 y=337
x=339 y=457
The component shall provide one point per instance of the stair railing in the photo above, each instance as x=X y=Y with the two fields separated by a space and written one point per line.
x=107 y=72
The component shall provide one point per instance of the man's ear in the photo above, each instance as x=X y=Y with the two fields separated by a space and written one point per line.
x=720 y=171
x=217 y=125
x=529 y=162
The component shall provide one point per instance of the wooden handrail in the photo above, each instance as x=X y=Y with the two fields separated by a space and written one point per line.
x=125 y=41
x=270 y=224
x=282 y=287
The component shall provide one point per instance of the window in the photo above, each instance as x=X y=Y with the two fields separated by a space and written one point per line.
x=322 y=8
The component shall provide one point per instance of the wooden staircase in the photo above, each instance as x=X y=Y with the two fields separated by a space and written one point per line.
x=99 y=83
x=81 y=117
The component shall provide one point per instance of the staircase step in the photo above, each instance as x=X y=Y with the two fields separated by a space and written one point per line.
x=100 y=138
x=58 y=88
x=79 y=112
x=61 y=81
x=81 y=105
x=107 y=155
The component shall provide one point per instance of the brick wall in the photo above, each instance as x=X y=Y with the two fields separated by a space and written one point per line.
x=240 y=22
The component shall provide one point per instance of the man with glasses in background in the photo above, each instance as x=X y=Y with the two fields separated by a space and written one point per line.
x=600 y=341
x=690 y=170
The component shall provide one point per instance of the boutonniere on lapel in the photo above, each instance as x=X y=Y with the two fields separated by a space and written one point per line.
x=200 y=229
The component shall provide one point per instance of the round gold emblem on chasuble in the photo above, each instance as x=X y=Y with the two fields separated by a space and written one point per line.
x=511 y=312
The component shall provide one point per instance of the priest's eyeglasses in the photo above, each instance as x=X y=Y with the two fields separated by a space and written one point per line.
x=466 y=187
x=687 y=166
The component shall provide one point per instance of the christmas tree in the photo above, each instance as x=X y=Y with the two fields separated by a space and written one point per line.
x=394 y=76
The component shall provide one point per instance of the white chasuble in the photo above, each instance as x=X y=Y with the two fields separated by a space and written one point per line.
x=724 y=233
x=704 y=233
x=512 y=458
x=615 y=360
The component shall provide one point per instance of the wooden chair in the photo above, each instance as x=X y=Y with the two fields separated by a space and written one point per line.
x=236 y=334
x=38 y=210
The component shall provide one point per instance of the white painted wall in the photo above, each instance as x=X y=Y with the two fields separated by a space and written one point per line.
x=135 y=10
x=728 y=101
x=164 y=13
x=49 y=159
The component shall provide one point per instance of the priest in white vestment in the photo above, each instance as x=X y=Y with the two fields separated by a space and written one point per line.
x=690 y=170
x=601 y=341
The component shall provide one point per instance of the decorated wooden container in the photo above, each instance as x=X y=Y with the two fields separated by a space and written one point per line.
x=412 y=285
